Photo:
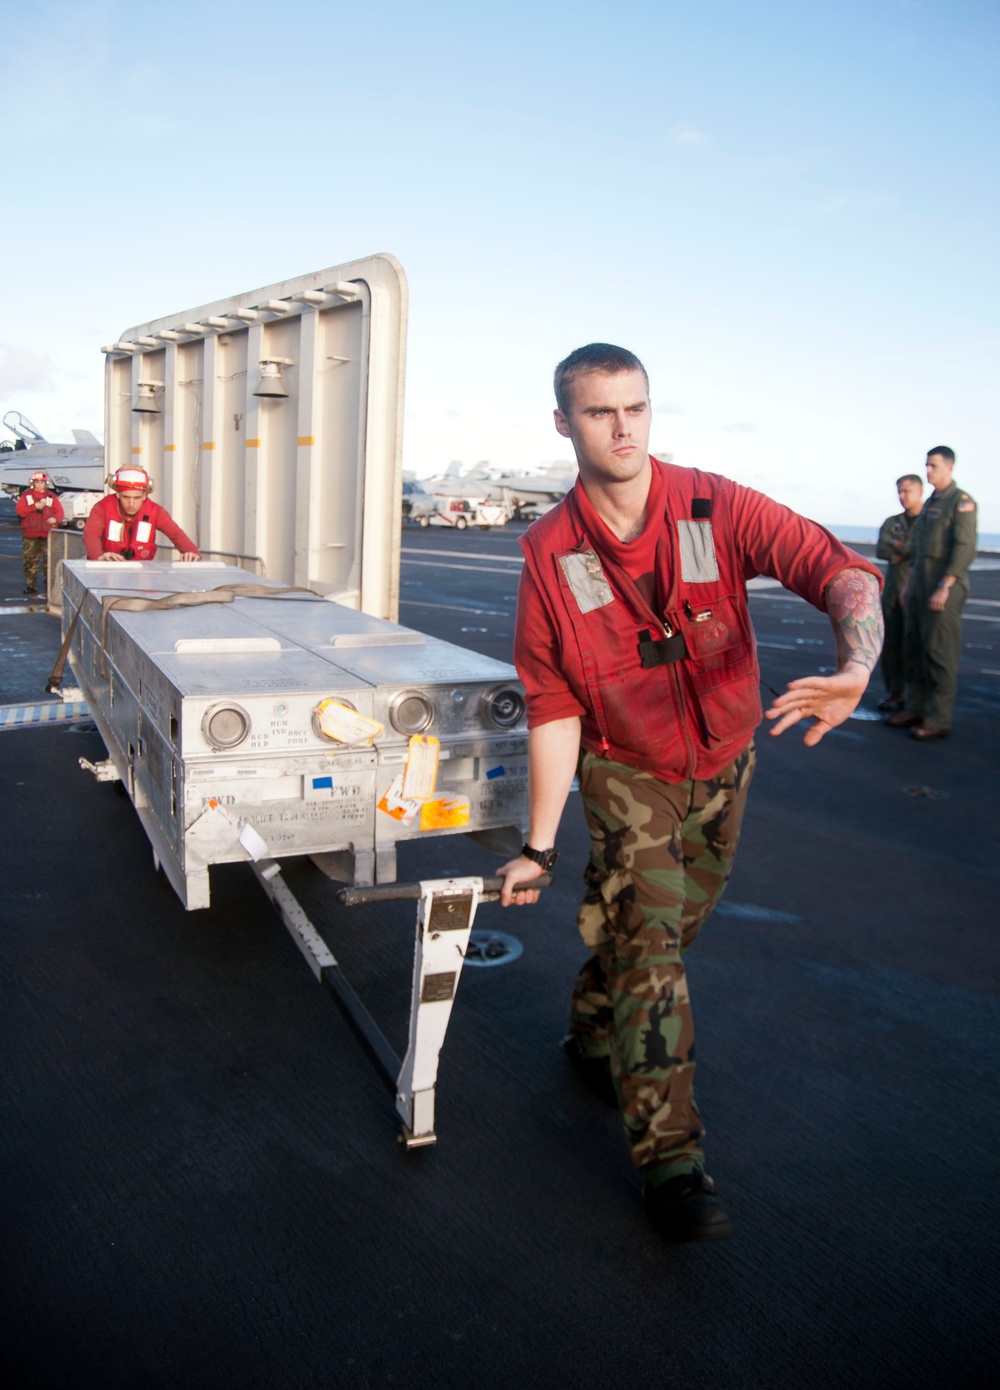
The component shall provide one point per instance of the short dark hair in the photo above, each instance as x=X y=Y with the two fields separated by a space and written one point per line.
x=595 y=357
x=910 y=478
x=943 y=450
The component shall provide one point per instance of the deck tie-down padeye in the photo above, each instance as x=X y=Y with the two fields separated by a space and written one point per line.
x=446 y=910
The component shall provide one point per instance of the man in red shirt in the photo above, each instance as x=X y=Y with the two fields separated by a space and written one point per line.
x=636 y=650
x=123 y=525
x=39 y=510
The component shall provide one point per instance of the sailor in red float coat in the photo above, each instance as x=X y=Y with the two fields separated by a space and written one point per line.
x=634 y=643
x=123 y=525
x=38 y=511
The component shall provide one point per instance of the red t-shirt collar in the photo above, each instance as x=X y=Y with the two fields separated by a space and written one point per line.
x=636 y=557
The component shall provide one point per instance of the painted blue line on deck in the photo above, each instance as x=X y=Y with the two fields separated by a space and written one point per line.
x=18 y=716
x=752 y=912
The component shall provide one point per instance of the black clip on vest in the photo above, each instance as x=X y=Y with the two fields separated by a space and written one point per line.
x=663 y=652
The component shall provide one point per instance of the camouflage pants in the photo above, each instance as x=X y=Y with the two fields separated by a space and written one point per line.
x=33 y=550
x=661 y=855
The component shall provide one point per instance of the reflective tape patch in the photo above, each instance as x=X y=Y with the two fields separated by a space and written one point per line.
x=586 y=580
x=698 y=561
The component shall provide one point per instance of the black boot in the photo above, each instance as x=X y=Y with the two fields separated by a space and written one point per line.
x=686 y=1208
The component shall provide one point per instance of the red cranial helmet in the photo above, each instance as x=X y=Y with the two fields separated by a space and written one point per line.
x=131 y=480
x=41 y=478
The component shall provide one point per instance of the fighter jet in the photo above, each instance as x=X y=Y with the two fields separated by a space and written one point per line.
x=525 y=493
x=77 y=467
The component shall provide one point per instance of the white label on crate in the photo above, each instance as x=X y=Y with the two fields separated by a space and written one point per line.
x=252 y=843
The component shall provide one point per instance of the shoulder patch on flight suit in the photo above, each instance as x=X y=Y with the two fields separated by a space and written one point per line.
x=699 y=564
x=966 y=504
x=586 y=579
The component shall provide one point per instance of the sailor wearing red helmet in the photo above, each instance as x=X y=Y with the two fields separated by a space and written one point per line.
x=39 y=510
x=123 y=525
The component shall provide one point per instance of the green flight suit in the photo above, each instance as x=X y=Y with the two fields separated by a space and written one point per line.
x=944 y=543
x=895 y=544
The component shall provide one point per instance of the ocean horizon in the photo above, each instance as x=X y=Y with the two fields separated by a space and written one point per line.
x=988 y=540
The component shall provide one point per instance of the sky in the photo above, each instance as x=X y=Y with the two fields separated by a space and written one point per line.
x=789 y=211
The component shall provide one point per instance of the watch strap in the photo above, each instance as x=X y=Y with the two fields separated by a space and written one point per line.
x=546 y=858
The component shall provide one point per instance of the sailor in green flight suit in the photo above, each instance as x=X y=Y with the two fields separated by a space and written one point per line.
x=895 y=542
x=944 y=546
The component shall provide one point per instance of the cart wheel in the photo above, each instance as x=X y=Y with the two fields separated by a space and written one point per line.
x=425 y=521
x=460 y=523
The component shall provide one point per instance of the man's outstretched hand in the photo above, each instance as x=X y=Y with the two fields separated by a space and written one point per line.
x=827 y=699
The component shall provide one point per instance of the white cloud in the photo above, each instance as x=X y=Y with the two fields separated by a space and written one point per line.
x=668 y=408
x=24 y=371
x=741 y=427
x=684 y=133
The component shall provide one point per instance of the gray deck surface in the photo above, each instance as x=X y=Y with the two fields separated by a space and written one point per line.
x=201 y=1180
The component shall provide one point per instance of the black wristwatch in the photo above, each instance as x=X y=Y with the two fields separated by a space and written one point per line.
x=544 y=857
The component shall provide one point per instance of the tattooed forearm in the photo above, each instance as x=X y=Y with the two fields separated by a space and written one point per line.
x=852 y=601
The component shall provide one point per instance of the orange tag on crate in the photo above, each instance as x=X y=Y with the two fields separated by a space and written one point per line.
x=447 y=813
x=393 y=803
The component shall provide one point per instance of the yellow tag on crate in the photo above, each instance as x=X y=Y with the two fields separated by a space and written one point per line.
x=345 y=725
x=421 y=767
